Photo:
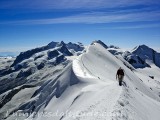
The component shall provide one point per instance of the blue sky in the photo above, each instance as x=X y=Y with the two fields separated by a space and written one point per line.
x=26 y=24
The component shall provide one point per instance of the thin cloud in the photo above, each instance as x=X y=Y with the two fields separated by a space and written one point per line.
x=73 y=4
x=140 y=26
x=94 y=18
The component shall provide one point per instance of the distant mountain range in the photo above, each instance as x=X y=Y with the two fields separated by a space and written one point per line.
x=8 y=54
x=140 y=57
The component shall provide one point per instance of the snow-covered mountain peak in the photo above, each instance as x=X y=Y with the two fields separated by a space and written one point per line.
x=141 y=49
x=100 y=42
x=63 y=48
x=52 y=44
x=140 y=56
x=75 y=46
x=113 y=46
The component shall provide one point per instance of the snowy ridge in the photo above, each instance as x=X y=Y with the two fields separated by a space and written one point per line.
x=87 y=89
x=90 y=86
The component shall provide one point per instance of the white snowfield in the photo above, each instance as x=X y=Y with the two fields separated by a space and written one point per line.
x=96 y=95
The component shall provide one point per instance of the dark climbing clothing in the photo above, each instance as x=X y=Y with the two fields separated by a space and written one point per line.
x=120 y=74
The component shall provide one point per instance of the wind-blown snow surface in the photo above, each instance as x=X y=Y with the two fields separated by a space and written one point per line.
x=87 y=89
x=5 y=62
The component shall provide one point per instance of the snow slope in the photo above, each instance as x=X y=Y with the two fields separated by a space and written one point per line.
x=93 y=92
x=97 y=96
x=5 y=62
x=87 y=89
